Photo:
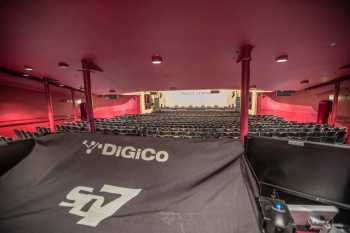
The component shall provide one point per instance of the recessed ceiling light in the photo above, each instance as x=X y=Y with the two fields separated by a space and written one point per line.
x=157 y=59
x=28 y=68
x=61 y=85
x=63 y=65
x=282 y=58
x=333 y=44
x=25 y=75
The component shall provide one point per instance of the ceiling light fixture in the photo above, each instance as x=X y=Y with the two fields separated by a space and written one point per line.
x=63 y=65
x=282 y=58
x=157 y=59
x=28 y=68
x=25 y=75
x=61 y=85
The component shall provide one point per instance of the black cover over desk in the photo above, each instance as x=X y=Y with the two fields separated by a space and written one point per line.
x=14 y=152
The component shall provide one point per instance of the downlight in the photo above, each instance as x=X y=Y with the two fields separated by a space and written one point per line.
x=63 y=65
x=306 y=81
x=282 y=59
x=157 y=59
x=28 y=68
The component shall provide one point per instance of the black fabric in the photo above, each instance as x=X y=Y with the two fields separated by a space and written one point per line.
x=12 y=153
x=199 y=188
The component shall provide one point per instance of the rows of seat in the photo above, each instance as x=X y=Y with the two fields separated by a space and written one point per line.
x=201 y=125
x=209 y=124
x=4 y=139
x=25 y=134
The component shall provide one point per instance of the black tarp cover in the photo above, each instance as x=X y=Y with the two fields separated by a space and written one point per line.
x=81 y=183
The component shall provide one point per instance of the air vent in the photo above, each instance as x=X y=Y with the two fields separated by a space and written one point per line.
x=285 y=93
x=110 y=97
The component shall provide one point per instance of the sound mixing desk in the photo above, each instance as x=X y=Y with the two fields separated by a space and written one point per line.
x=303 y=186
x=277 y=216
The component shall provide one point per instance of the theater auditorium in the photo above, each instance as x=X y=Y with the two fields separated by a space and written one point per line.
x=162 y=116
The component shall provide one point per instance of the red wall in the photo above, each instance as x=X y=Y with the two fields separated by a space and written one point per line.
x=125 y=104
x=23 y=105
x=303 y=106
x=343 y=112
x=291 y=112
x=26 y=108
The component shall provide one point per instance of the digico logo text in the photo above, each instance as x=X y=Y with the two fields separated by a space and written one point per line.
x=127 y=152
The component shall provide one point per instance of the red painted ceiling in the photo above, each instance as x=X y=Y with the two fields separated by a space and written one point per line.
x=197 y=39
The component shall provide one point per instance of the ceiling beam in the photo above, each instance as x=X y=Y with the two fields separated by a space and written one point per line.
x=331 y=82
x=35 y=78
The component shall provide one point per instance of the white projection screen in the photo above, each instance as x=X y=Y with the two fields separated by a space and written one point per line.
x=207 y=98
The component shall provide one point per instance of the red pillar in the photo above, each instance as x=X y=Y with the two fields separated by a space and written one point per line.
x=49 y=105
x=258 y=103
x=333 y=117
x=73 y=105
x=88 y=96
x=244 y=58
